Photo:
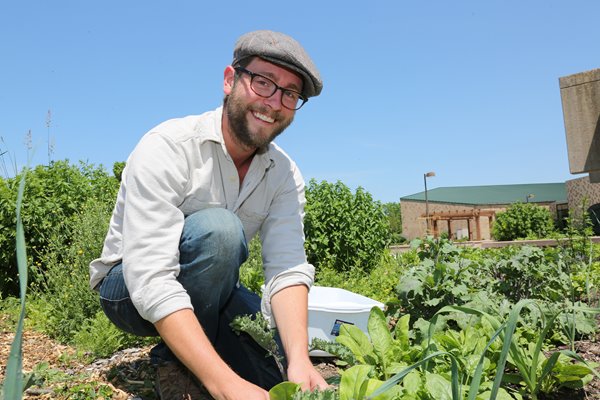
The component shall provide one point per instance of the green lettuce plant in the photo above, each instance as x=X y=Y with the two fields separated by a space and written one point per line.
x=383 y=350
x=535 y=372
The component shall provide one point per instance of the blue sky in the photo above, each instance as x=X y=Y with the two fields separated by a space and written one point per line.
x=468 y=89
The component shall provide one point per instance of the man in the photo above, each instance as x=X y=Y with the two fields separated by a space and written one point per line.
x=193 y=191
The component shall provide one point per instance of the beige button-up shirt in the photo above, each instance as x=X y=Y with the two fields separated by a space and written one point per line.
x=182 y=166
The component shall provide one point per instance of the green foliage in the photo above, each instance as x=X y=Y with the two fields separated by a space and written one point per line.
x=118 y=168
x=378 y=283
x=258 y=329
x=475 y=342
x=100 y=338
x=291 y=391
x=394 y=214
x=343 y=230
x=523 y=221
x=53 y=195
x=13 y=385
x=525 y=272
x=343 y=355
x=66 y=298
x=386 y=352
x=442 y=277
x=251 y=271
x=69 y=386
x=526 y=354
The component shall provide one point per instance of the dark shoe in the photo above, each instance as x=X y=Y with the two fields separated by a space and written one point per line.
x=175 y=382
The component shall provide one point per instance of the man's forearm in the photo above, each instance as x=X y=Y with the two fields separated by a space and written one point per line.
x=290 y=309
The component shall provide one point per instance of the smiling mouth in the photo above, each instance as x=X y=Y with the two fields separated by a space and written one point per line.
x=263 y=117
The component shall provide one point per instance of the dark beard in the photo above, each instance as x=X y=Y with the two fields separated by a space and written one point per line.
x=236 y=110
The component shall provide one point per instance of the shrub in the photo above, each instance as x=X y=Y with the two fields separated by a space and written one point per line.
x=251 y=271
x=523 y=220
x=524 y=272
x=442 y=276
x=53 y=195
x=64 y=282
x=378 y=284
x=343 y=230
x=394 y=214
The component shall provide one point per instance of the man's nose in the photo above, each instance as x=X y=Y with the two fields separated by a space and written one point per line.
x=275 y=101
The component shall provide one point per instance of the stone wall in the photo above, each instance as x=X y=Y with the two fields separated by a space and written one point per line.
x=582 y=194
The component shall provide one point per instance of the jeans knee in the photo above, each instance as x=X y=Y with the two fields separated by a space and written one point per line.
x=217 y=234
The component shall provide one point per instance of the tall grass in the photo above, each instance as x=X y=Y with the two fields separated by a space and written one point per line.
x=13 y=382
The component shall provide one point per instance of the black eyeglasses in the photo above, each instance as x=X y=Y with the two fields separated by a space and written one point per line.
x=264 y=87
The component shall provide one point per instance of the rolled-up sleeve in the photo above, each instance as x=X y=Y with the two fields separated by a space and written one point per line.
x=155 y=179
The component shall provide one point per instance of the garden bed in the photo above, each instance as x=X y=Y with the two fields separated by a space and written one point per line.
x=129 y=374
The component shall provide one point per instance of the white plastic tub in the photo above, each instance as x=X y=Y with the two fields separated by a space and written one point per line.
x=329 y=308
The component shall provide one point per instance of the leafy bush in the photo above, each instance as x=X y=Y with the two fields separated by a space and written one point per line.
x=64 y=306
x=53 y=195
x=443 y=276
x=100 y=338
x=524 y=272
x=251 y=271
x=523 y=221
x=118 y=168
x=379 y=283
x=394 y=214
x=343 y=230
x=64 y=282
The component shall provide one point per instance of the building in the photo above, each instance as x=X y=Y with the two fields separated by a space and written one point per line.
x=469 y=211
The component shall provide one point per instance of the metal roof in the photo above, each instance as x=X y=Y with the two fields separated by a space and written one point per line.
x=495 y=194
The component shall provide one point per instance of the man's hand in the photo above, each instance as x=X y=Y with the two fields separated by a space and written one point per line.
x=239 y=389
x=182 y=332
x=307 y=376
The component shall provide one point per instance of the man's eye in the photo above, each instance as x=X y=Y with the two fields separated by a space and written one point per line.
x=262 y=82
x=292 y=95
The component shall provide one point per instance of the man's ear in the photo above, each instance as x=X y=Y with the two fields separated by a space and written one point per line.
x=228 y=79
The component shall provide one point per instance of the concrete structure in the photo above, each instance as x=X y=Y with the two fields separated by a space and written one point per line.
x=584 y=195
x=469 y=211
x=580 y=95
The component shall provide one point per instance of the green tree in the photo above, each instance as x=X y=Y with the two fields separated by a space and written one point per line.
x=394 y=214
x=118 y=168
x=522 y=221
x=344 y=229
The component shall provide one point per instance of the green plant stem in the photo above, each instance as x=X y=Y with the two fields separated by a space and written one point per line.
x=13 y=382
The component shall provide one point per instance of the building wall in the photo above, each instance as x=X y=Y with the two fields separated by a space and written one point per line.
x=582 y=195
x=414 y=226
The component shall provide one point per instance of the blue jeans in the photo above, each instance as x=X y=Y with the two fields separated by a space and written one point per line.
x=212 y=248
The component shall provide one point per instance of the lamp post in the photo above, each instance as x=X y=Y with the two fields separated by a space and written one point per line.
x=425 y=176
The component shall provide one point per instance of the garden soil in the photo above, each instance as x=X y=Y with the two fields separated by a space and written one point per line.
x=130 y=374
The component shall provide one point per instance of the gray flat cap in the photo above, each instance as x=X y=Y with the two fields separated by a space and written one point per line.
x=280 y=49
